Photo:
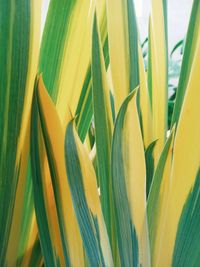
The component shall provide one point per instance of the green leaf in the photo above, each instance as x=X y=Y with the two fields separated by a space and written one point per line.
x=64 y=232
x=149 y=165
x=68 y=24
x=56 y=28
x=121 y=186
x=187 y=244
x=177 y=46
x=158 y=73
x=38 y=190
x=123 y=48
x=36 y=255
x=103 y=124
x=155 y=202
x=188 y=56
x=19 y=41
x=133 y=46
x=82 y=181
x=84 y=111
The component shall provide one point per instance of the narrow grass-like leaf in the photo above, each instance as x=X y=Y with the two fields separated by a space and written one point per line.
x=187 y=245
x=186 y=158
x=36 y=258
x=128 y=182
x=103 y=124
x=68 y=227
x=84 y=109
x=86 y=200
x=191 y=42
x=179 y=45
x=33 y=253
x=19 y=48
x=19 y=246
x=149 y=166
x=158 y=77
x=56 y=27
x=72 y=35
x=103 y=134
x=47 y=246
x=123 y=48
x=145 y=106
x=68 y=23
x=158 y=199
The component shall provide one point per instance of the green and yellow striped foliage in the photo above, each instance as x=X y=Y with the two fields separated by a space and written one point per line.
x=90 y=174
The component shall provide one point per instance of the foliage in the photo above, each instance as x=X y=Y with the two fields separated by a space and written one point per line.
x=94 y=171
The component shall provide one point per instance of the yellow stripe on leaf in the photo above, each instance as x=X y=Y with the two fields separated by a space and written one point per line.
x=55 y=133
x=76 y=58
x=129 y=185
x=186 y=159
x=118 y=47
x=146 y=113
x=135 y=173
x=158 y=65
x=83 y=185
x=158 y=200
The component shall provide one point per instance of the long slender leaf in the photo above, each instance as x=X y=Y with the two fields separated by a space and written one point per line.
x=123 y=48
x=19 y=48
x=189 y=51
x=186 y=155
x=149 y=166
x=158 y=200
x=158 y=77
x=187 y=249
x=103 y=123
x=84 y=109
x=70 y=245
x=128 y=182
x=48 y=249
x=86 y=200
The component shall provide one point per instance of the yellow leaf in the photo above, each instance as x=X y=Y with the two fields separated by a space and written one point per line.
x=186 y=160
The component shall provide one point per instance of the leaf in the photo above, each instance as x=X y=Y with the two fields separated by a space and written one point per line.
x=177 y=46
x=144 y=104
x=68 y=23
x=158 y=200
x=48 y=249
x=82 y=181
x=21 y=238
x=103 y=123
x=186 y=155
x=129 y=185
x=191 y=43
x=158 y=69
x=149 y=166
x=84 y=110
x=72 y=34
x=187 y=249
x=19 y=49
x=70 y=245
x=36 y=258
x=123 y=48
